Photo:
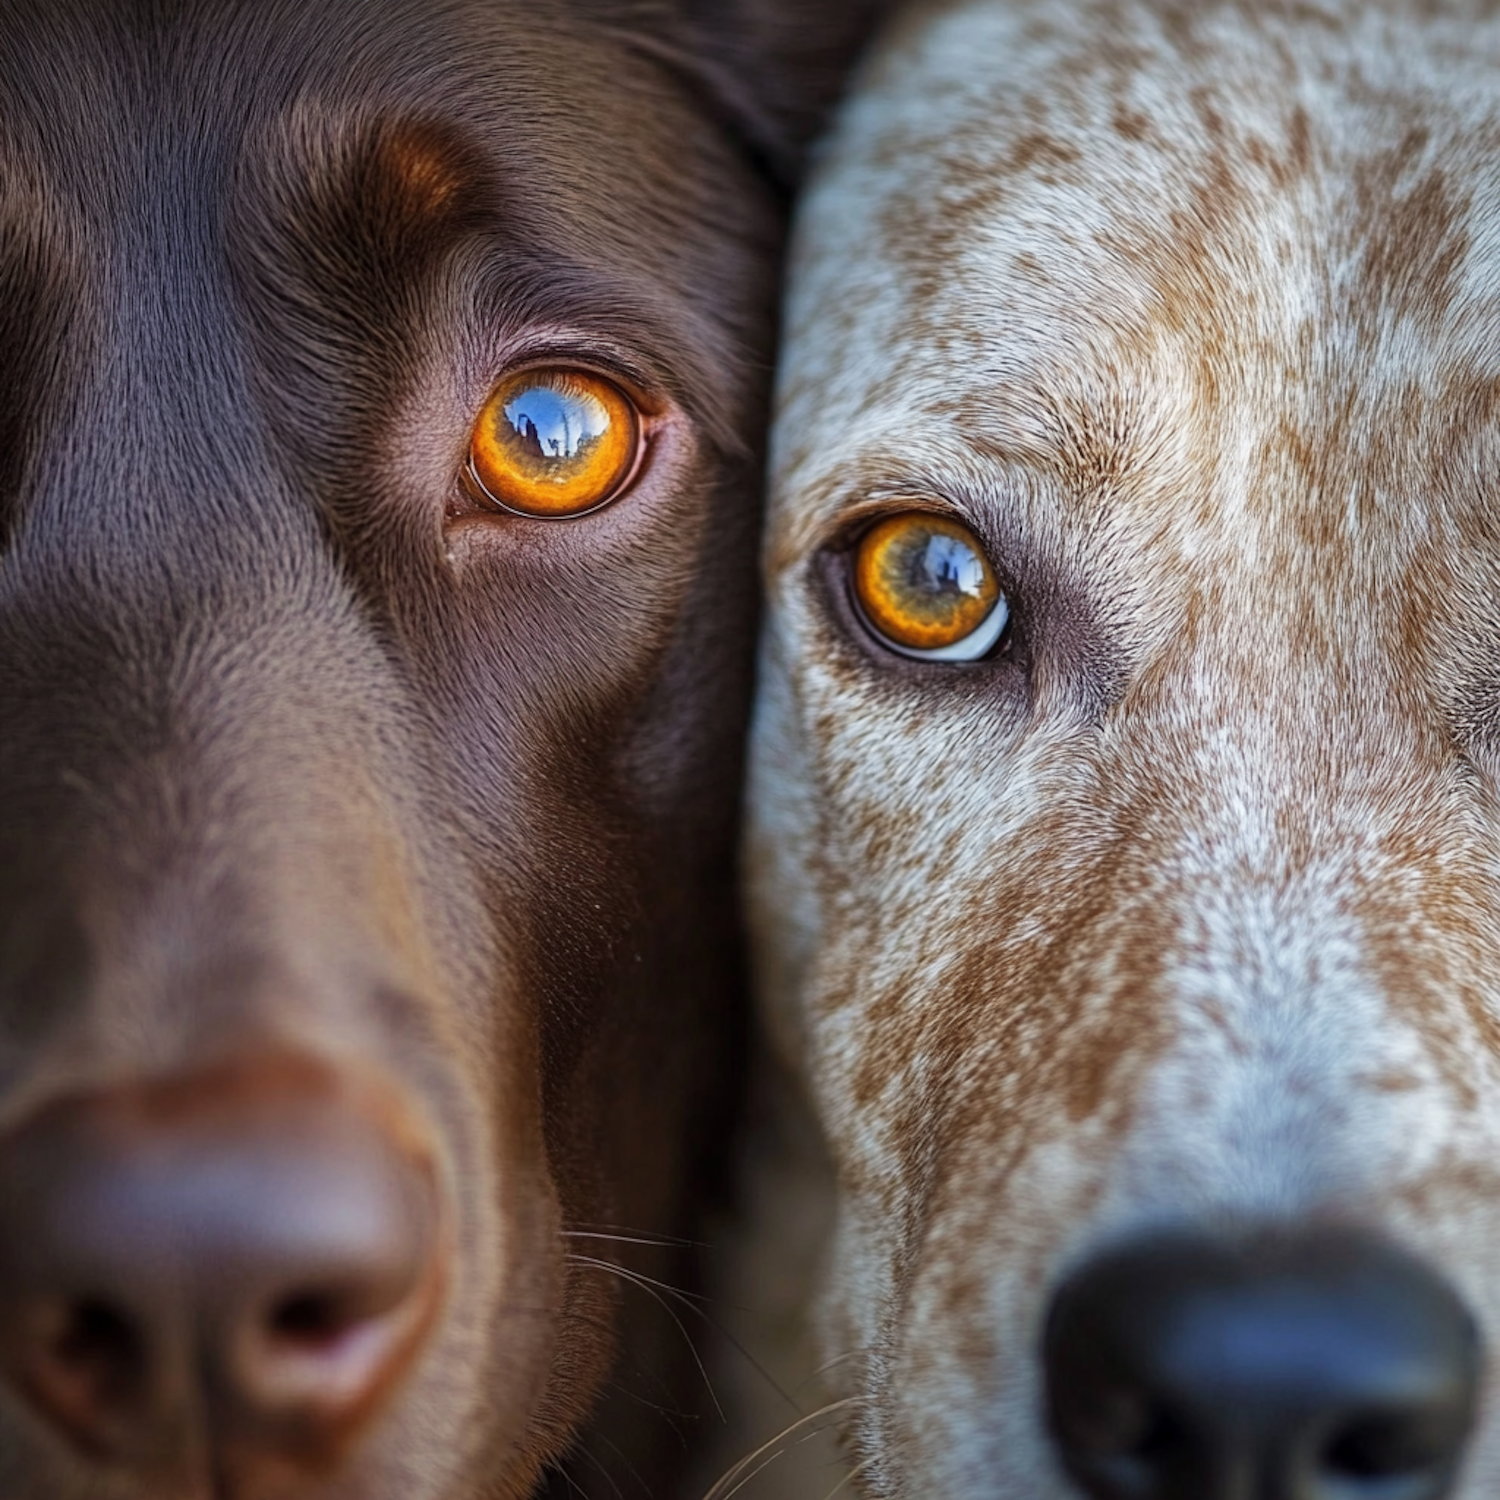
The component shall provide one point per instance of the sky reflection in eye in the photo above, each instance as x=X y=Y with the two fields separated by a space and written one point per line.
x=554 y=423
x=948 y=564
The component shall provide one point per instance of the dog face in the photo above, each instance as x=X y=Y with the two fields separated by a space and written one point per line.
x=1174 y=911
x=381 y=395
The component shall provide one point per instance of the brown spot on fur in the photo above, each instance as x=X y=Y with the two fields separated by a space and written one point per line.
x=1031 y=268
x=1453 y=1181
x=1394 y=1082
x=419 y=171
x=1038 y=150
x=1414 y=240
x=1300 y=142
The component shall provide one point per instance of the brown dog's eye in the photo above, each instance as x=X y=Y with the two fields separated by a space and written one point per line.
x=555 y=443
x=926 y=589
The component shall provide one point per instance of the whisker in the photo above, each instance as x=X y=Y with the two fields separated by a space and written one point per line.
x=594 y=1459
x=669 y=1414
x=672 y=1415
x=688 y=1299
x=837 y=1359
x=747 y=1468
x=692 y=1302
x=561 y=1471
x=853 y=1474
x=630 y=1467
x=604 y=1325
x=655 y=1289
x=629 y=1239
x=645 y=1236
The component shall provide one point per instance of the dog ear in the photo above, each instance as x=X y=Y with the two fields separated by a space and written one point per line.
x=775 y=68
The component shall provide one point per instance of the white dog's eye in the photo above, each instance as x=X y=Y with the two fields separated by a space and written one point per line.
x=926 y=590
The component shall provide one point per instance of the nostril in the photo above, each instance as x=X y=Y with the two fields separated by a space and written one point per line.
x=335 y=1325
x=84 y=1362
x=312 y=1319
x=1131 y=1440
x=315 y=1359
x=92 y=1336
x=1388 y=1455
x=1160 y=1440
x=1124 y=1420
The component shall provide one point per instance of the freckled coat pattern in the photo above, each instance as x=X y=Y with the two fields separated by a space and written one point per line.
x=1184 y=911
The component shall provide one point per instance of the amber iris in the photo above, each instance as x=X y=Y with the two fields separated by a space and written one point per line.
x=555 y=442
x=923 y=581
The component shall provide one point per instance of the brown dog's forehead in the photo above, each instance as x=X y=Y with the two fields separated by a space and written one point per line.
x=558 y=131
x=243 y=303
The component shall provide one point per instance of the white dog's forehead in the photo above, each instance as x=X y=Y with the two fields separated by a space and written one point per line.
x=1042 y=229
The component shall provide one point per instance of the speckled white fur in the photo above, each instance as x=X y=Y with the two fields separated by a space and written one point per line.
x=1193 y=314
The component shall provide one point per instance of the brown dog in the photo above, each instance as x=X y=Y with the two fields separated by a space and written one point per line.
x=380 y=386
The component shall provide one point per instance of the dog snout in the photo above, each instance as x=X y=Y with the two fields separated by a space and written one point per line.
x=1327 y=1367
x=238 y=1264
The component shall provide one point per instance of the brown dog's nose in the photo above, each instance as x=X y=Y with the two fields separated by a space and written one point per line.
x=1329 y=1367
x=232 y=1267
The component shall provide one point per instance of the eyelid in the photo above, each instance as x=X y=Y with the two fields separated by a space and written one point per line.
x=644 y=381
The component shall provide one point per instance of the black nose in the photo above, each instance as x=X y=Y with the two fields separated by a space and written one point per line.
x=232 y=1267
x=1329 y=1367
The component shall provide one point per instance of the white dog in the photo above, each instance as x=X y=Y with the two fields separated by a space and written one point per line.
x=1125 y=858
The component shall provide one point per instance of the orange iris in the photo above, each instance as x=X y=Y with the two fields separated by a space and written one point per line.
x=923 y=581
x=555 y=442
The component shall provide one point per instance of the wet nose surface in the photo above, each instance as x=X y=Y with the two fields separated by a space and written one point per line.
x=1328 y=1368
x=231 y=1268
